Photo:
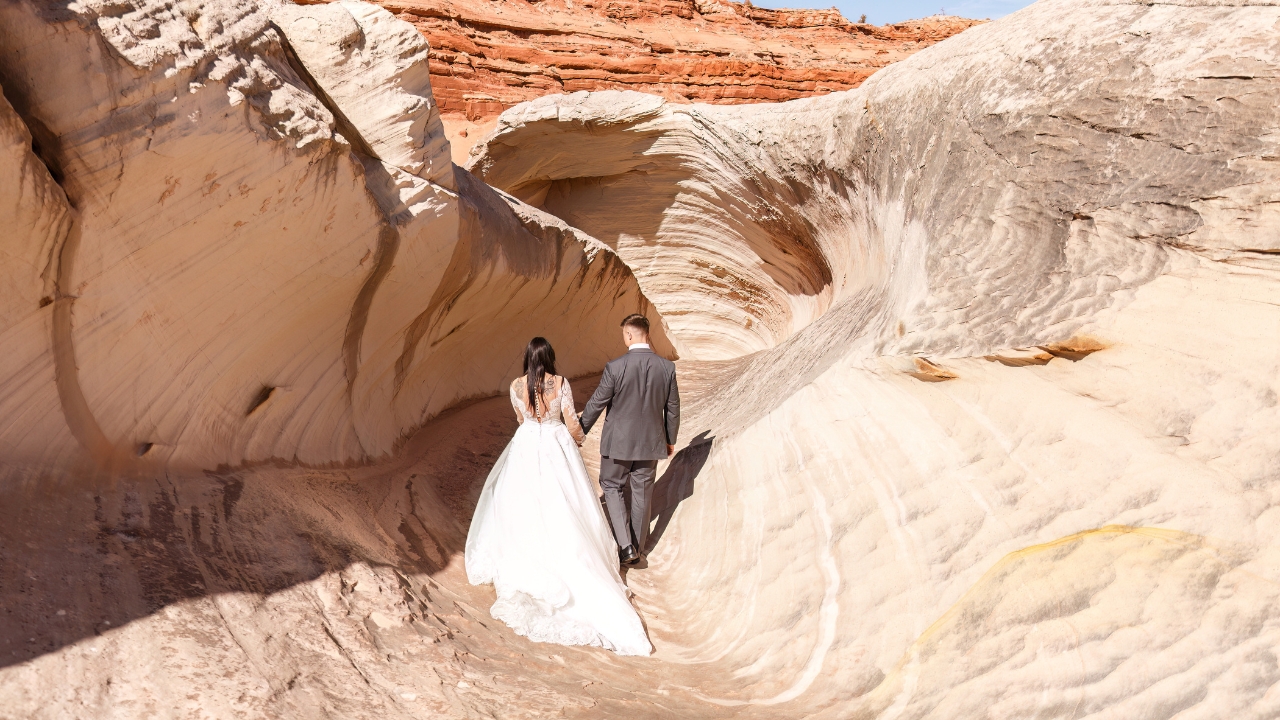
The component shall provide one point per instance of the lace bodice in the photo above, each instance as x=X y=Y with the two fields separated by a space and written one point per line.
x=559 y=399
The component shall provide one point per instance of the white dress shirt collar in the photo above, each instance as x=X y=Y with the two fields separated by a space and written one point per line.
x=638 y=346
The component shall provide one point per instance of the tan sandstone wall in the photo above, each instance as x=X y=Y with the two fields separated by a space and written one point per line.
x=263 y=251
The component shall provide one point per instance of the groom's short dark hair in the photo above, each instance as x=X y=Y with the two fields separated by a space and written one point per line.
x=637 y=321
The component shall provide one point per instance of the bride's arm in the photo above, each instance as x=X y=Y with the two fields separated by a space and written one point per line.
x=517 y=403
x=570 y=415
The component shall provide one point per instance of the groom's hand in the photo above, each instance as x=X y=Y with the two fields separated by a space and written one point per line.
x=671 y=450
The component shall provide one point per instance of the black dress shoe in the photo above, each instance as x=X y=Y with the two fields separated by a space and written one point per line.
x=628 y=555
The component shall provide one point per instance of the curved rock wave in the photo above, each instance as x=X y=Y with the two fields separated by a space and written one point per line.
x=992 y=206
x=263 y=251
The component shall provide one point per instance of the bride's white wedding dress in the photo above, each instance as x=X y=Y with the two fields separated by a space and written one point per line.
x=540 y=536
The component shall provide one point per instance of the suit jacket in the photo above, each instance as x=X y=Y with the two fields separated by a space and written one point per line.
x=639 y=391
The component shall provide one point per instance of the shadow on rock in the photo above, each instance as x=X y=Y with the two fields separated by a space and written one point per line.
x=676 y=485
x=78 y=562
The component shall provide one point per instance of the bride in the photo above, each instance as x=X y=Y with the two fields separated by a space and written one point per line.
x=539 y=534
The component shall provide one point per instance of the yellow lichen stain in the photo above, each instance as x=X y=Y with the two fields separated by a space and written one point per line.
x=1189 y=541
x=1002 y=584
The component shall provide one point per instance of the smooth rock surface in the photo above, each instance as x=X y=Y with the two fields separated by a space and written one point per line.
x=38 y=219
x=256 y=266
x=987 y=206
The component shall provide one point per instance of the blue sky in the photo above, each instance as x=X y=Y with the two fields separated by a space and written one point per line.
x=889 y=11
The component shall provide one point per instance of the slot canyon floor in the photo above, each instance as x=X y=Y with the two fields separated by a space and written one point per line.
x=370 y=628
x=282 y=592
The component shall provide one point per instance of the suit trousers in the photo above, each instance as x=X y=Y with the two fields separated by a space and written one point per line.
x=628 y=494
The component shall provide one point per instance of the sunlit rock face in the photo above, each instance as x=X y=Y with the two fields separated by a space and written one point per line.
x=263 y=250
x=988 y=207
x=980 y=365
x=1017 y=447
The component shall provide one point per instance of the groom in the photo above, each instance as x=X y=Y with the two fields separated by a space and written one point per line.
x=639 y=390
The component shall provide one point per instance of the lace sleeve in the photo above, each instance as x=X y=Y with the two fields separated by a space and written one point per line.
x=517 y=403
x=570 y=414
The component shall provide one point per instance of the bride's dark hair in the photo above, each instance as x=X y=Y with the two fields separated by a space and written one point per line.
x=539 y=361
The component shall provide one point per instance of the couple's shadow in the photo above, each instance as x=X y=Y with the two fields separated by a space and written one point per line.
x=674 y=487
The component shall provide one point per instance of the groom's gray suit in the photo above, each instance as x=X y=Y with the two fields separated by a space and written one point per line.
x=639 y=390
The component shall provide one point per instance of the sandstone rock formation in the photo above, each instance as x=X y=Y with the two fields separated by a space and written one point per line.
x=980 y=359
x=947 y=202
x=249 y=263
x=488 y=56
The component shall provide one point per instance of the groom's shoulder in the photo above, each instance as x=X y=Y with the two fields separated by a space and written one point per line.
x=670 y=366
x=653 y=358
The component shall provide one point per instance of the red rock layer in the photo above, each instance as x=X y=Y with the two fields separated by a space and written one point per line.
x=487 y=55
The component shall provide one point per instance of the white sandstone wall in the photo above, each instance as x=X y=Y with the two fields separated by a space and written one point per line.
x=992 y=206
x=1024 y=463
x=269 y=255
